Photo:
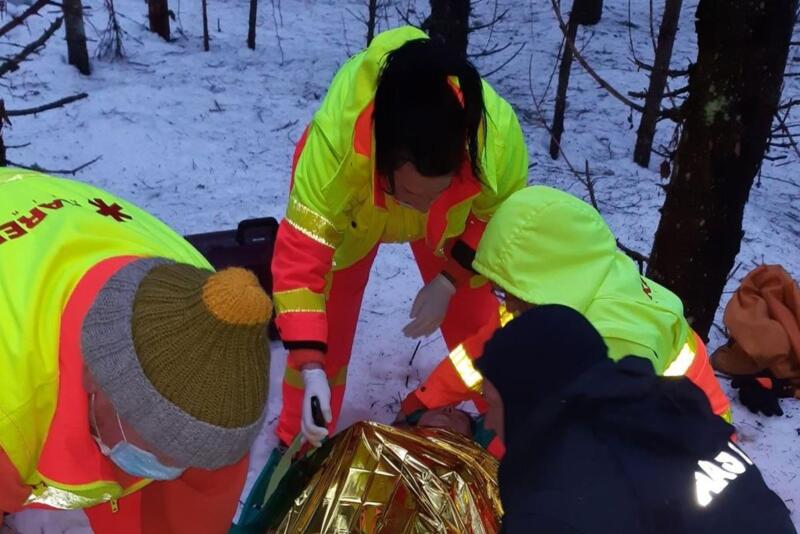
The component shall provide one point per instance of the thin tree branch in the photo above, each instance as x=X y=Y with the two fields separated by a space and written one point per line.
x=763 y=176
x=491 y=28
x=589 y=70
x=673 y=73
x=14 y=62
x=630 y=33
x=37 y=168
x=494 y=21
x=16 y=21
x=585 y=179
x=791 y=103
x=493 y=51
x=789 y=135
x=780 y=145
x=405 y=18
x=47 y=107
x=346 y=42
x=358 y=17
x=590 y=186
x=275 y=12
x=640 y=258
x=506 y=62
x=643 y=94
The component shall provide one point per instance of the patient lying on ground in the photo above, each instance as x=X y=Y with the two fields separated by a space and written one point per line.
x=379 y=479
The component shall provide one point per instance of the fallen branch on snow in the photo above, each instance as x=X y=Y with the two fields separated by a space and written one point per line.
x=37 y=168
x=13 y=63
x=46 y=107
x=16 y=21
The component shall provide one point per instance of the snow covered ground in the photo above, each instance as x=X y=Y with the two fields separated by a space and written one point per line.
x=204 y=139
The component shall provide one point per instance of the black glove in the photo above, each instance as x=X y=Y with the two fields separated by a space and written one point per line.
x=758 y=398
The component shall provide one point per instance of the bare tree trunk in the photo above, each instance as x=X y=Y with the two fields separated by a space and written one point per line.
x=251 y=27
x=734 y=91
x=658 y=81
x=563 y=83
x=449 y=22
x=371 y=20
x=205 y=25
x=3 y=121
x=158 y=13
x=76 y=36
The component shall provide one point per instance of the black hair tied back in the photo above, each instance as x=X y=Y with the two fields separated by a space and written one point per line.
x=418 y=117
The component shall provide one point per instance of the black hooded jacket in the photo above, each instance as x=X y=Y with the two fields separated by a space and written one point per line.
x=607 y=447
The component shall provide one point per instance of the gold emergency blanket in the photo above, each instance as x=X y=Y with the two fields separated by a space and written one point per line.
x=379 y=479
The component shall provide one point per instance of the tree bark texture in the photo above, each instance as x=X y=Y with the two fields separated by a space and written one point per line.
x=76 y=36
x=372 y=18
x=251 y=26
x=206 y=46
x=658 y=81
x=158 y=14
x=734 y=91
x=563 y=84
x=449 y=22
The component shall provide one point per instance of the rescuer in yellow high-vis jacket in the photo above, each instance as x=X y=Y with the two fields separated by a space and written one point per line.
x=544 y=246
x=133 y=379
x=409 y=145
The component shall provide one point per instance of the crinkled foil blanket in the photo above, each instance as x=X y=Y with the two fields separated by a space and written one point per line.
x=379 y=479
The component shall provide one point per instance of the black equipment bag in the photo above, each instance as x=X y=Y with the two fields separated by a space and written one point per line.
x=249 y=246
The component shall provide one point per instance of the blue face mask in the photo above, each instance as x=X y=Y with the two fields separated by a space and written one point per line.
x=132 y=459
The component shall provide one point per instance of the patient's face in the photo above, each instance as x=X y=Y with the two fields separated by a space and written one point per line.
x=448 y=418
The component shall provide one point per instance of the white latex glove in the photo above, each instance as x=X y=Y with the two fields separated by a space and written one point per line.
x=430 y=306
x=316 y=385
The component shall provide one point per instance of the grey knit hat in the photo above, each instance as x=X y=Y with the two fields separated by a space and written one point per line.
x=183 y=354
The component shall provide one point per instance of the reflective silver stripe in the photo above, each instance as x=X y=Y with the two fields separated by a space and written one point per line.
x=682 y=363
x=66 y=500
x=463 y=364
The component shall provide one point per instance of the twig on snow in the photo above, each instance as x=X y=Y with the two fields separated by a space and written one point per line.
x=275 y=12
x=37 y=168
x=287 y=125
x=733 y=272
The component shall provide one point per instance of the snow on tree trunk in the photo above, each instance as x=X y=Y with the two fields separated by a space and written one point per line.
x=734 y=90
x=76 y=36
x=158 y=14
x=658 y=81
